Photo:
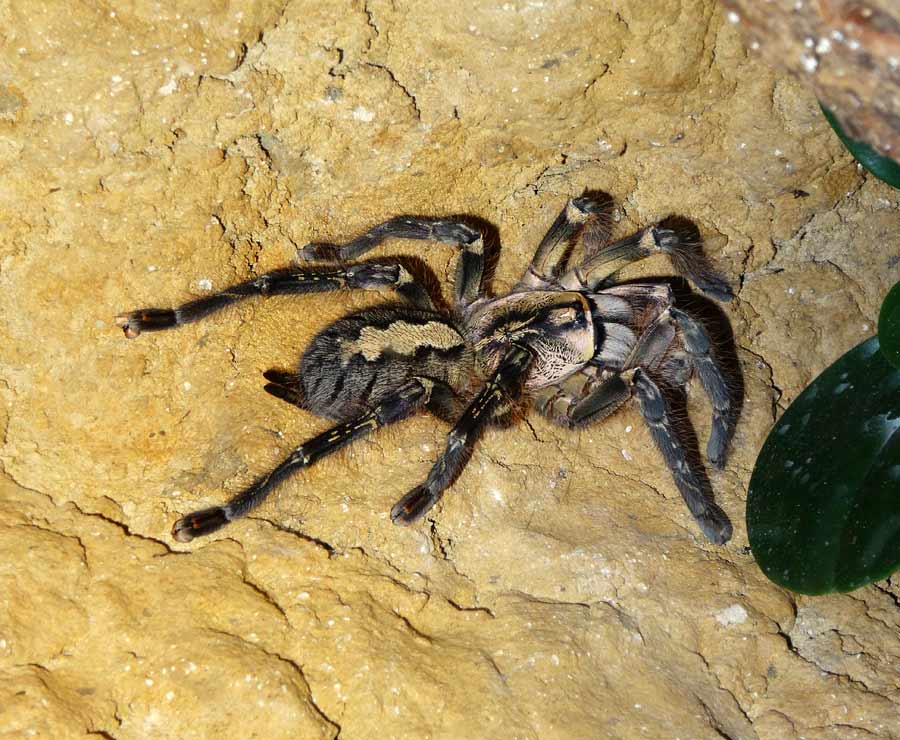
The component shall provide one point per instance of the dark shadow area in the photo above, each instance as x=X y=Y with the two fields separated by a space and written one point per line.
x=422 y=274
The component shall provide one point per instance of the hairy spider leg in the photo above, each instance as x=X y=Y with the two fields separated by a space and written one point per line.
x=694 y=489
x=586 y=397
x=649 y=354
x=688 y=260
x=504 y=385
x=402 y=404
x=549 y=259
x=699 y=348
x=311 y=279
x=469 y=266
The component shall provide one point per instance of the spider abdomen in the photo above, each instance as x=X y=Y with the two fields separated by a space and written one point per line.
x=361 y=359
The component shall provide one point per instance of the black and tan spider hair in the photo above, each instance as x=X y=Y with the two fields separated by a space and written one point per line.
x=567 y=341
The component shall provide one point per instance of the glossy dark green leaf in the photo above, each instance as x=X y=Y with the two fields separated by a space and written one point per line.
x=884 y=168
x=889 y=326
x=823 y=510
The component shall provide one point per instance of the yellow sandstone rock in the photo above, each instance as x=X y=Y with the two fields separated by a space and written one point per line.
x=151 y=152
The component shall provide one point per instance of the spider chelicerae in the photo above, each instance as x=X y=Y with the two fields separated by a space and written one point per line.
x=568 y=341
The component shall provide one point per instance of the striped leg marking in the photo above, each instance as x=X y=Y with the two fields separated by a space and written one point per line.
x=693 y=487
x=505 y=384
x=312 y=279
x=401 y=405
x=470 y=241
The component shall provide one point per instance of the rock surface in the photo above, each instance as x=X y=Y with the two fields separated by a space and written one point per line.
x=151 y=152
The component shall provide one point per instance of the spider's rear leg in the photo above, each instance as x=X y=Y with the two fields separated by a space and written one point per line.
x=550 y=257
x=693 y=487
x=470 y=241
x=286 y=386
x=505 y=385
x=312 y=279
x=687 y=259
x=400 y=405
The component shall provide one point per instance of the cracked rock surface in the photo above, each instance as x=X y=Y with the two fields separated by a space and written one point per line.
x=152 y=152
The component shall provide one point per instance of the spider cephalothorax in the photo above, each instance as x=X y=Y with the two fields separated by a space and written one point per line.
x=568 y=342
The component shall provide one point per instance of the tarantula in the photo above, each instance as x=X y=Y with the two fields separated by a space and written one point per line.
x=568 y=341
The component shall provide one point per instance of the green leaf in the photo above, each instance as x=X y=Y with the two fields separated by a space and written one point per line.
x=884 y=168
x=889 y=326
x=823 y=510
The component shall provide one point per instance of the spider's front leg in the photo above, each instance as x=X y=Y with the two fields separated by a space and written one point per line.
x=550 y=257
x=505 y=385
x=652 y=352
x=699 y=348
x=687 y=259
x=311 y=279
x=400 y=405
x=693 y=487
x=470 y=241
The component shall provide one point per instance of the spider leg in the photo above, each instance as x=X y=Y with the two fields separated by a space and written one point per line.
x=588 y=396
x=469 y=266
x=400 y=405
x=311 y=279
x=694 y=488
x=699 y=347
x=650 y=353
x=688 y=260
x=505 y=384
x=550 y=256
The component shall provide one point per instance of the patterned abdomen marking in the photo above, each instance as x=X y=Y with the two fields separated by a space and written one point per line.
x=379 y=350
